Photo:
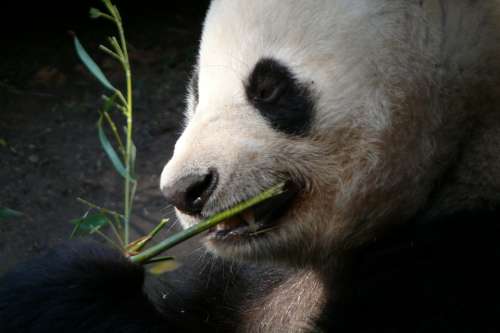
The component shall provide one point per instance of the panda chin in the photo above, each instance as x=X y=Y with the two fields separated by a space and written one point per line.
x=254 y=222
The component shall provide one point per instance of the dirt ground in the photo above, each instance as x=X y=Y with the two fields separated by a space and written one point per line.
x=49 y=149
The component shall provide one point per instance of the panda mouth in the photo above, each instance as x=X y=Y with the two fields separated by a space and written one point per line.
x=255 y=221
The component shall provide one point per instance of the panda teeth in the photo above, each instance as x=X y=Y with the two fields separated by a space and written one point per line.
x=249 y=217
x=245 y=220
x=228 y=224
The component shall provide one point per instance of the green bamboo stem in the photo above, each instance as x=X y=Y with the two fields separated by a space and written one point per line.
x=181 y=236
x=128 y=192
x=99 y=208
x=121 y=52
x=128 y=181
x=140 y=245
x=109 y=240
x=159 y=259
x=111 y=53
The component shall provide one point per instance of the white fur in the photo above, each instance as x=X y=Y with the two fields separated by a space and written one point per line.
x=396 y=85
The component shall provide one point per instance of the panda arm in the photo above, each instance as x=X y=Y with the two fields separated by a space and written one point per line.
x=79 y=287
x=87 y=287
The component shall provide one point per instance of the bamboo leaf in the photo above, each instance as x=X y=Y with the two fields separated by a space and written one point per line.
x=91 y=65
x=89 y=224
x=162 y=265
x=9 y=214
x=109 y=103
x=110 y=151
x=95 y=13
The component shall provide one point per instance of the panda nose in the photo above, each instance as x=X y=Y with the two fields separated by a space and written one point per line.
x=190 y=193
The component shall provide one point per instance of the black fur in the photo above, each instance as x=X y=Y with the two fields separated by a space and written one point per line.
x=429 y=276
x=281 y=99
x=91 y=288
x=80 y=287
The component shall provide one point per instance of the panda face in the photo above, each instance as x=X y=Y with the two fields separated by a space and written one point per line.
x=284 y=92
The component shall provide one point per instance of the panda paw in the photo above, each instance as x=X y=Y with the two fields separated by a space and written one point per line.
x=79 y=287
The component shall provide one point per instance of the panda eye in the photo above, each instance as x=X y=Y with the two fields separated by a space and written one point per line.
x=280 y=98
x=269 y=92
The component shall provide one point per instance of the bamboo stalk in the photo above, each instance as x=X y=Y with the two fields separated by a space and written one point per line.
x=181 y=236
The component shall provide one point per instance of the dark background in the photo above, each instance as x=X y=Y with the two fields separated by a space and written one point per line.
x=48 y=113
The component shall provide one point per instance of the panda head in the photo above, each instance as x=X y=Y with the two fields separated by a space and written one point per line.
x=314 y=94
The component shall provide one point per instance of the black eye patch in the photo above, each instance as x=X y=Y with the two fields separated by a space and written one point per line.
x=280 y=98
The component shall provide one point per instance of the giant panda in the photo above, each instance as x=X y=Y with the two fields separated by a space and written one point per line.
x=383 y=119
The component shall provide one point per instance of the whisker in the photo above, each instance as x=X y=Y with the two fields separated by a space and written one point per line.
x=262 y=231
